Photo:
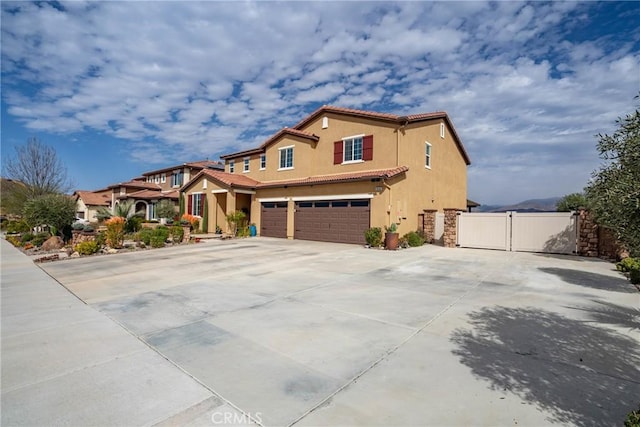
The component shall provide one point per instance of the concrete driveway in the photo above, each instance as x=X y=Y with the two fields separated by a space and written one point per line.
x=320 y=334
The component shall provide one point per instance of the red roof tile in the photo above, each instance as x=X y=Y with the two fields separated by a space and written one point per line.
x=150 y=194
x=274 y=138
x=137 y=184
x=92 y=198
x=339 y=177
x=199 y=164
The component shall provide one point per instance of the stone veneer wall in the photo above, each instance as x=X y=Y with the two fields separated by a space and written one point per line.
x=450 y=237
x=81 y=236
x=429 y=225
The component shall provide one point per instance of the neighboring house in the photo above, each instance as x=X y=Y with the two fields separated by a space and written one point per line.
x=89 y=202
x=336 y=173
x=149 y=189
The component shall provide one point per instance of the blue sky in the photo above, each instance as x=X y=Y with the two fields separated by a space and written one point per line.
x=119 y=88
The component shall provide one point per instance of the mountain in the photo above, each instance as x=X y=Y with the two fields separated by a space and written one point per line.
x=533 y=205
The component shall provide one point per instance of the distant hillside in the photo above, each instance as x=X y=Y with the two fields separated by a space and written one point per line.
x=533 y=205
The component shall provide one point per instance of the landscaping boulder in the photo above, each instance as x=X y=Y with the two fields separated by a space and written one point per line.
x=53 y=244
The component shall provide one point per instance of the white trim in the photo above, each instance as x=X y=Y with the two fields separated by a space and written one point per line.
x=246 y=164
x=197 y=192
x=325 y=122
x=284 y=148
x=352 y=137
x=263 y=155
x=285 y=169
x=350 y=162
x=273 y=199
x=441 y=130
x=204 y=184
x=244 y=191
x=333 y=197
x=219 y=191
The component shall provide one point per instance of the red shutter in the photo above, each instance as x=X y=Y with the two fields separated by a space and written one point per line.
x=338 y=149
x=367 y=147
x=190 y=204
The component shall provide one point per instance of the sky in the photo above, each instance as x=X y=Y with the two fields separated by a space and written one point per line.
x=122 y=87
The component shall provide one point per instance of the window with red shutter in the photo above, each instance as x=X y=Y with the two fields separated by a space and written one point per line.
x=367 y=147
x=190 y=205
x=337 y=152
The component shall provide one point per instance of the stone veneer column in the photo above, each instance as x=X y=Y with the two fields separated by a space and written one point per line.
x=450 y=227
x=186 y=236
x=429 y=224
x=587 y=234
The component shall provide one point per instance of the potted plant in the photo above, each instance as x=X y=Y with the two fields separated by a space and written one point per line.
x=391 y=237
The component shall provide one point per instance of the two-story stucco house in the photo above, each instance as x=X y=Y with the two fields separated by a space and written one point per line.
x=338 y=172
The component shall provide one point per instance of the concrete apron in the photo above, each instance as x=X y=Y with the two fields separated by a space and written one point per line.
x=310 y=333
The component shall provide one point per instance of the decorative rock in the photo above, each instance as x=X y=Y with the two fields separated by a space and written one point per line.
x=74 y=255
x=112 y=251
x=52 y=244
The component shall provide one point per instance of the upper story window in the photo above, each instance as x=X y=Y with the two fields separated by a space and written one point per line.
x=286 y=158
x=232 y=166
x=263 y=161
x=441 y=130
x=177 y=178
x=427 y=155
x=245 y=167
x=352 y=149
x=157 y=179
x=163 y=178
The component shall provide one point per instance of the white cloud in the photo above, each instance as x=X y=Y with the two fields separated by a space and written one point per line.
x=205 y=78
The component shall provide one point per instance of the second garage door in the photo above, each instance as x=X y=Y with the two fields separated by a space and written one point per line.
x=340 y=221
x=273 y=219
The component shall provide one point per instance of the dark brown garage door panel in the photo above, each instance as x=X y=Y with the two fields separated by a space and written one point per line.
x=273 y=219
x=337 y=221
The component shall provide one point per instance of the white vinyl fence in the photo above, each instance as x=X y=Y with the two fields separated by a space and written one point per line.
x=548 y=232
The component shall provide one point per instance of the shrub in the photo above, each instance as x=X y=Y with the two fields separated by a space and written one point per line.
x=100 y=238
x=236 y=221
x=145 y=235
x=15 y=241
x=413 y=239
x=88 y=228
x=87 y=248
x=77 y=226
x=192 y=220
x=627 y=264
x=40 y=238
x=17 y=227
x=633 y=419
x=158 y=237
x=115 y=231
x=177 y=233
x=26 y=237
x=373 y=237
x=133 y=224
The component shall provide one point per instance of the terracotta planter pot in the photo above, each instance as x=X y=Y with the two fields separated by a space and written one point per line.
x=391 y=241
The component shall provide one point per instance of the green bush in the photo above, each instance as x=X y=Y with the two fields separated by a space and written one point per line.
x=373 y=237
x=133 y=224
x=17 y=227
x=40 y=238
x=627 y=264
x=14 y=240
x=159 y=237
x=26 y=237
x=177 y=233
x=100 y=238
x=145 y=236
x=88 y=228
x=633 y=419
x=78 y=226
x=87 y=248
x=413 y=239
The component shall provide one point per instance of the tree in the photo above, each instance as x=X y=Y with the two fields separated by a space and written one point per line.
x=37 y=167
x=54 y=210
x=166 y=209
x=571 y=202
x=614 y=190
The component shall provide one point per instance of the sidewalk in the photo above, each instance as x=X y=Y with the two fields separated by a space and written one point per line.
x=64 y=363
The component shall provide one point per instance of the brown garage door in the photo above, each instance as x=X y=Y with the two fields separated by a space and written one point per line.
x=340 y=221
x=273 y=219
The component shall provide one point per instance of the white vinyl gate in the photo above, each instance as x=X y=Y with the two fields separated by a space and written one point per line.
x=549 y=232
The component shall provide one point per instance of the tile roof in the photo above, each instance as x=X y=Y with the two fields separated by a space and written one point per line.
x=230 y=179
x=339 y=177
x=93 y=198
x=274 y=138
x=199 y=164
x=150 y=194
x=137 y=184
